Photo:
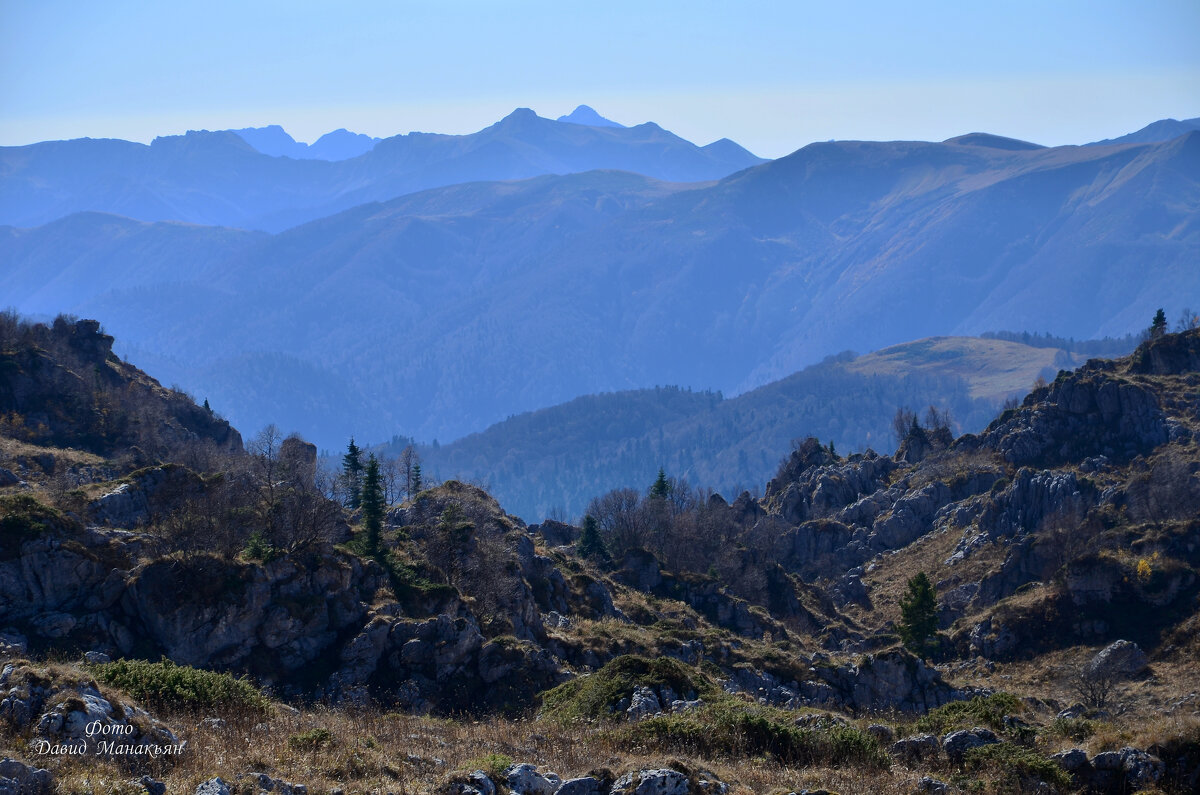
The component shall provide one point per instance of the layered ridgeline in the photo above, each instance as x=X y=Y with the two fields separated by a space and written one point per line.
x=1013 y=611
x=439 y=313
x=553 y=461
x=262 y=179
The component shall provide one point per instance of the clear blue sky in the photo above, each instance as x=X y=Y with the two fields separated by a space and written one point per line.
x=771 y=75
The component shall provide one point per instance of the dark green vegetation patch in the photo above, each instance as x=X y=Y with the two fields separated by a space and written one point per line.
x=596 y=696
x=167 y=685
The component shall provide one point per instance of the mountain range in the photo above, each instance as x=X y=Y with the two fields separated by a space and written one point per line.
x=438 y=313
x=233 y=178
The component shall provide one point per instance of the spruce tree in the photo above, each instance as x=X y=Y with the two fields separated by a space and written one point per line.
x=918 y=614
x=1159 y=326
x=352 y=470
x=373 y=507
x=662 y=486
x=416 y=479
x=590 y=544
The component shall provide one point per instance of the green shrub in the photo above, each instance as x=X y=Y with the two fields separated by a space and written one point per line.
x=1077 y=729
x=22 y=518
x=257 y=548
x=310 y=740
x=596 y=696
x=739 y=730
x=165 y=684
x=1015 y=764
x=493 y=764
x=979 y=711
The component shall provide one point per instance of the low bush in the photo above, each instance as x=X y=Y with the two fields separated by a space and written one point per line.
x=737 y=730
x=493 y=764
x=311 y=740
x=979 y=711
x=22 y=518
x=165 y=684
x=1016 y=765
x=1077 y=729
x=596 y=696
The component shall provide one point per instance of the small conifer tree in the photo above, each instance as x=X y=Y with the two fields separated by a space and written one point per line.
x=590 y=544
x=373 y=507
x=1159 y=326
x=662 y=486
x=352 y=471
x=416 y=479
x=918 y=614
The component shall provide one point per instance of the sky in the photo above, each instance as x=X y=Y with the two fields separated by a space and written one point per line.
x=773 y=76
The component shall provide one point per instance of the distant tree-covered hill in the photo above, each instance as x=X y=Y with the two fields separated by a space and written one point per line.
x=553 y=461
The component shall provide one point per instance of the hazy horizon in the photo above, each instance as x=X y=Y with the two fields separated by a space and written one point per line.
x=771 y=78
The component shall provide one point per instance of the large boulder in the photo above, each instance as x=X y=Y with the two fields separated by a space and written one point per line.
x=524 y=779
x=916 y=750
x=18 y=778
x=956 y=744
x=1121 y=659
x=651 y=782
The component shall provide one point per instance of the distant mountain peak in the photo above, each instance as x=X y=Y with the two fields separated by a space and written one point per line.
x=1161 y=130
x=993 y=142
x=588 y=117
x=273 y=140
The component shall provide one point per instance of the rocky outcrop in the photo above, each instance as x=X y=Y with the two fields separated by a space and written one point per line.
x=1091 y=412
x=891 y=680
x=145 y=494
x=77 y=717
x=1171 y=354
x=812 y=484
x=207 y=611
x=18 y=778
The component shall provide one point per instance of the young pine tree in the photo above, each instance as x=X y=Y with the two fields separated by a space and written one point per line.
x=373 y=507
x=918 y=614
x=1159 y=325
x=352 y=472
x=590 y=544
x=662 y=486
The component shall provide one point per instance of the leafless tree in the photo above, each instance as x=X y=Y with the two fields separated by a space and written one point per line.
x=621 y=518
x=408 y=462
x=1094 y=686
x=903 y=422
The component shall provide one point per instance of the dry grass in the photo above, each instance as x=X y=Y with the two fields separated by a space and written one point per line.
x=372 y=751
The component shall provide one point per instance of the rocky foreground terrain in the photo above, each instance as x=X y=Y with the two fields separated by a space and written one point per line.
x=182 y=611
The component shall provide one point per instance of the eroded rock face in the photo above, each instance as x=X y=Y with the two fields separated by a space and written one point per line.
x=1091 y=413
x=889 y=680
x=213 y=612
x=133 y=503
